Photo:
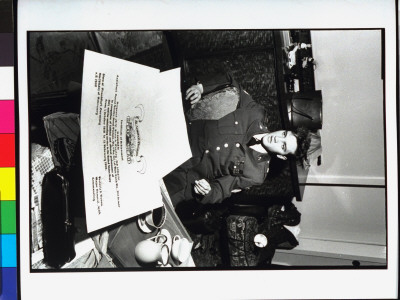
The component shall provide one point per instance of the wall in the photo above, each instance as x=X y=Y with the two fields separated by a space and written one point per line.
x=349 y=75
x=343 y=220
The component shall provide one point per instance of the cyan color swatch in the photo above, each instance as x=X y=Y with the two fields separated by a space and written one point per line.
x=8 y=246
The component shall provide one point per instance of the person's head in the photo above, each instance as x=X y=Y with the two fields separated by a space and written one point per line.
x=284 y=143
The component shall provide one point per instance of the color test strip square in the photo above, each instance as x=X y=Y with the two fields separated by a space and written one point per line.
x=7 y=150
x=6 y=49
x=7 y=217
x=8 y=277
x=7 y=83
x=7 y=116
x=8 y=251
x=7 y=184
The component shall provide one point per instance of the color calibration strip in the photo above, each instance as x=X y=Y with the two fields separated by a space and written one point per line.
x=8 y=240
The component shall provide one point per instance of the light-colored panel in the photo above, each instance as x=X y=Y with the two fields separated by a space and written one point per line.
x=344 y=214
x=340 y=180
x=292 y=258
x=336 y=249
x=349 y=75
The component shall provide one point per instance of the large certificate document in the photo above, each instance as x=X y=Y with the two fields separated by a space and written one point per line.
x=130 y=114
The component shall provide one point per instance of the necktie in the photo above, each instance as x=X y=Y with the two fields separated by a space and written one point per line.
x=253 y=141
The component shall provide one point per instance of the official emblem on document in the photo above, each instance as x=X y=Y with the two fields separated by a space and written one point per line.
x=133 y=139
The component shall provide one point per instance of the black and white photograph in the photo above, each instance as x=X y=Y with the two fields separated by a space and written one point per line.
x=229 y=151
x=276 y=121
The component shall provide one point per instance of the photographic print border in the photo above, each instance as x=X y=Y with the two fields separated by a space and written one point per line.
x=257 y=276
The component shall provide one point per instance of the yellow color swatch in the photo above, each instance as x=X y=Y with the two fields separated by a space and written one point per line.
x=7 y=184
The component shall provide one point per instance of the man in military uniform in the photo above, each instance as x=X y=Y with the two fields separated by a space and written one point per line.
x=232 y=153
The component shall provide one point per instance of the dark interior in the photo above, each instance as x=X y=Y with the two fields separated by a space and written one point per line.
x=255 y=58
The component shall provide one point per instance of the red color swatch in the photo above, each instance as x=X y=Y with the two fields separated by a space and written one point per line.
x=7 y=150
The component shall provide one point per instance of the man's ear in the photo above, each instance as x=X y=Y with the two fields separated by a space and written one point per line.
x=281 y=156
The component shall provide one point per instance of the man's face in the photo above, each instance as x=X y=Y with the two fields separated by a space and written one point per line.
x=280 y=142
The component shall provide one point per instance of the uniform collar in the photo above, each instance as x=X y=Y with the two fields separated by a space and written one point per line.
x=259 y=148
x=259 y=156
x=256 y=129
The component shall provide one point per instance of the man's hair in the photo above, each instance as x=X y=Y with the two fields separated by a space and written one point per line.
x=303 y=137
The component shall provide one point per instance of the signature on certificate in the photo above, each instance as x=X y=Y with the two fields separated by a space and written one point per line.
x=133 y=140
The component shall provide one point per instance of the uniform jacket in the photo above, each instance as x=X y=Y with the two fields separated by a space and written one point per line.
x=219 y=149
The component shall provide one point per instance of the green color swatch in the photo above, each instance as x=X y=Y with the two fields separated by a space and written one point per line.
x=7 y=217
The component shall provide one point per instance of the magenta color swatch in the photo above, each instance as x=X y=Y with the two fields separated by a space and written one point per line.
x=7 y=116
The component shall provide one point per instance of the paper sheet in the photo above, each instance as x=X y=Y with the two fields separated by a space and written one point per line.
x=122 y=118
x=170 y=134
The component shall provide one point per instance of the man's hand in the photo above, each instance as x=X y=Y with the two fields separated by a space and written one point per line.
x=194 y=93
x=202 y=187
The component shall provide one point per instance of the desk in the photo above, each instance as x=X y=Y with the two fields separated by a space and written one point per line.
x=285 y=95
x=283 y=99
x=123 y=239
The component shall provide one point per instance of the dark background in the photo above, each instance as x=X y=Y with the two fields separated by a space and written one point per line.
x=56 y=60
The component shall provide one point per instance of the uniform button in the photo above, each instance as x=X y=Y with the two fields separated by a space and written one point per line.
x=207 y=151
x=190 y=123
x=267 y=170
x=236 y=122
x=237 y=145
x=226 y=145
x=234 y=167
x=218 y=148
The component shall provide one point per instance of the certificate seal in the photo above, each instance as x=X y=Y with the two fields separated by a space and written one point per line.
x=133 y=140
